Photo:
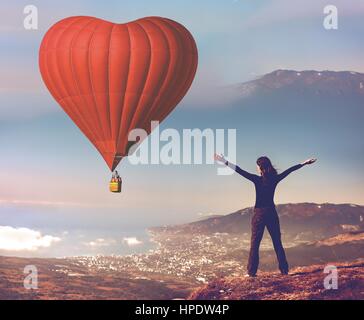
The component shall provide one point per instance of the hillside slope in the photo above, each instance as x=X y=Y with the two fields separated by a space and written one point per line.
x=304 y=283
x=299 y=221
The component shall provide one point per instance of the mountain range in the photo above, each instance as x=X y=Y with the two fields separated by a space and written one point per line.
x=304 y=221
x=329 y=83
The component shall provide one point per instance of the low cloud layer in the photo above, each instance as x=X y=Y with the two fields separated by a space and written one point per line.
x=131 y=241
x=100 y=242
x=24 y=239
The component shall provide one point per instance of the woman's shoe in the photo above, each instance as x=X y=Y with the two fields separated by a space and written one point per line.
x=249 y=275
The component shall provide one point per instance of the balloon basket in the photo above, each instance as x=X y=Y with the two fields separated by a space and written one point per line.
x=115 y=187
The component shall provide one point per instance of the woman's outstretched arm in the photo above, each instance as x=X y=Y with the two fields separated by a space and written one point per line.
x=245 y=174
x=285 y=173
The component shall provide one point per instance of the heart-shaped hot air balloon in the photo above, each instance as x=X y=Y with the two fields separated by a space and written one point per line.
x=111 y=78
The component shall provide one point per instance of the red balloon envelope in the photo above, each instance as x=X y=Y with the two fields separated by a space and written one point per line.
x=111 y=78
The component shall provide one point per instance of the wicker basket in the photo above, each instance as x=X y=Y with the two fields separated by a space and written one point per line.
x=115 y=186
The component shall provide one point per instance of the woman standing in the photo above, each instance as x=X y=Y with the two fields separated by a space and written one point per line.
x=265 y=214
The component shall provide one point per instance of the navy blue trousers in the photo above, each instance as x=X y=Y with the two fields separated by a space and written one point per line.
x=266 y=218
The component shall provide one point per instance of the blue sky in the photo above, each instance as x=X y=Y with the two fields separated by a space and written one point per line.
x=49 y=170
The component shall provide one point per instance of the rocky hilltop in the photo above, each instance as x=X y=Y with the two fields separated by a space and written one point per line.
x=304 y=283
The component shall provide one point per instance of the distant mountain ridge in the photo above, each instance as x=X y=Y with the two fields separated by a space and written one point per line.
x=309 y=220
x=332 y=83
x=350 y=237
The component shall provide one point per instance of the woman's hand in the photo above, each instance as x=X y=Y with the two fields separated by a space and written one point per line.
x=219 y=158
x=309 y=161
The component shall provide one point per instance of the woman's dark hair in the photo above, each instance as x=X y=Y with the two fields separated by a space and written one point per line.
x=266 y=167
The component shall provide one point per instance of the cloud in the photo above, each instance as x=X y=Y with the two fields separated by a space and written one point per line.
x=38 y=203
x=46 y=203
x=100 y=242
x=132 y=241
x=24 y=239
